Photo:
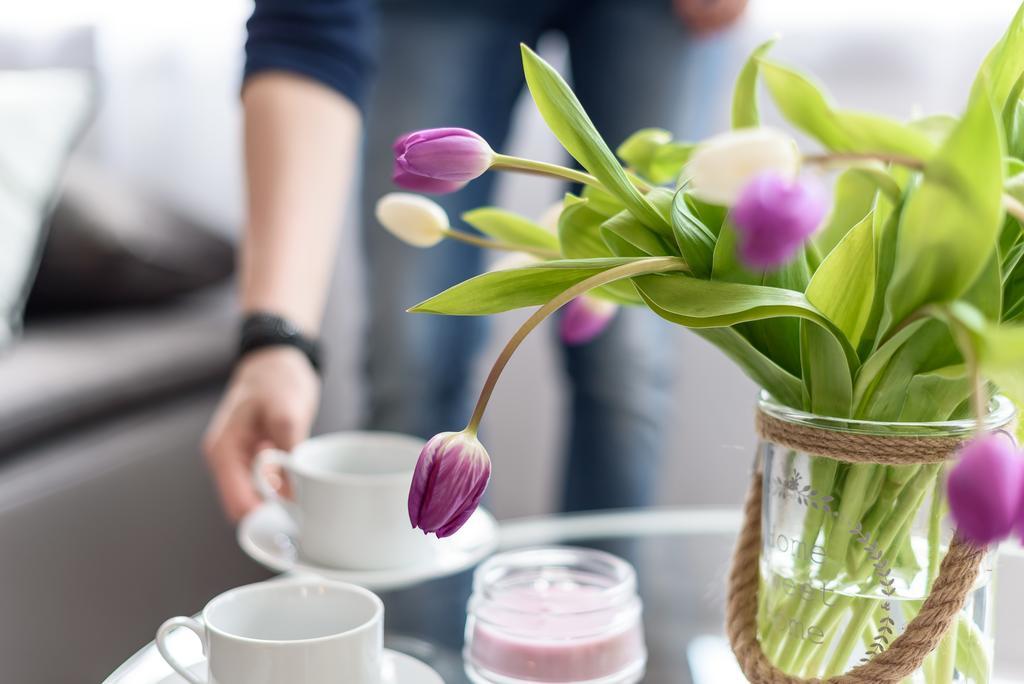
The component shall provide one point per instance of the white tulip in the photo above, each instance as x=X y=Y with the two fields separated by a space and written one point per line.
x=722 y=165
x=412 y=218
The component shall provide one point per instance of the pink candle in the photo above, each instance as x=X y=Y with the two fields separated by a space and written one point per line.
x=555 y=615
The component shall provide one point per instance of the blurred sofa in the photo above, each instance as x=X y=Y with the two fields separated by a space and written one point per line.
x=108 y=522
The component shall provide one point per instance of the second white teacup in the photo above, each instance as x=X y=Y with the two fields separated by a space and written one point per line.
x=350 y=498
x=295 y=631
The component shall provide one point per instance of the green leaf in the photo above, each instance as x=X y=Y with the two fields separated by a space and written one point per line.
x=1013 y=120
x=936 y=126
x=783 y=386
x=1000 y=348
x=638 y=149
x=745 y=112
x=510 y=227
x=779 y=339
x=626 y=236
x=886 y=234
x=807 y=108
x=1004 y=63
x=696 y=242
x=827 y=379
x=654 y=155
x=1013 y=285
x=935 y=395
x=602 y=201
x=843 y=287
x=579 y=231
x=1015 y=187
x=710 y=304
x=854 y=196
x=951 y=222
x=697 y=303
x=928 y=347
x=669 y=160
x=986 y=293
x=499 y=291
x=574 y=129
x=874 y=366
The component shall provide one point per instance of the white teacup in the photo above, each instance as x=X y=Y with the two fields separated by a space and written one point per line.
x=351 y=494
x=299 y=631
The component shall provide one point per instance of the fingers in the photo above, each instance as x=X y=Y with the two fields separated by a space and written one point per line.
x=271 y=401
x=229 y=447
x=286 y=425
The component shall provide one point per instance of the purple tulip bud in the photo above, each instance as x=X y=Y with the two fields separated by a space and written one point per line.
x=440 y=160
x=584 y=318
x=450 y=478
x=985 y=489
x=775 y=216
x=430 y=186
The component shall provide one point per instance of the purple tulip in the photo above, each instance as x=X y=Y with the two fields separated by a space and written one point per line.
x=584 y=318
x=440 y=160
x=450 y=478
x=775 y=216
x=985 y=489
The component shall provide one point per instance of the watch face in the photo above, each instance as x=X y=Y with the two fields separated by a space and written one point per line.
x=285 y=328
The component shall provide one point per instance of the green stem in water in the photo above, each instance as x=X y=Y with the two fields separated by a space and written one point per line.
x=486 y=243
x=632 y=269
x=945 y=657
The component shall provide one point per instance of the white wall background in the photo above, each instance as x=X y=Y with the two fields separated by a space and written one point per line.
x=169 y=122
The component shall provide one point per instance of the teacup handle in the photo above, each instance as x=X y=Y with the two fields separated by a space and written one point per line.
x=161 y=644
x=271 y=457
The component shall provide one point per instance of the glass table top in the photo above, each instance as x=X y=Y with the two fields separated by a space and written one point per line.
x=682 y=560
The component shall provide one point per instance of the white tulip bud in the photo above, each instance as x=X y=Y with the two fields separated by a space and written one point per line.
x=722 y=165
x=412 y=218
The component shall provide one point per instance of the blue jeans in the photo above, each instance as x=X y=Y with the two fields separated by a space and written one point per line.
x=451 y=63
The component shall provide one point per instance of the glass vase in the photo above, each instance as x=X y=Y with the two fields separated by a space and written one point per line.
x=850 y=552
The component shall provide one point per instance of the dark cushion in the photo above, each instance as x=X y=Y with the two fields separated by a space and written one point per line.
x=111 y=246
x=69 y=370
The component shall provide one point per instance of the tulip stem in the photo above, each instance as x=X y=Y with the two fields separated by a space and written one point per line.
x=830 y=157
x=539 y=168
x=1011 y=204
x=643 y=266
x=486 y=243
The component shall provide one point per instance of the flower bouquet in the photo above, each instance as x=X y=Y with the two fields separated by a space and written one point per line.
x=884 y=322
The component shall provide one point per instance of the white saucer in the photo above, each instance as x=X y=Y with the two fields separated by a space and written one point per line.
x=268 y=536
x=398 y=668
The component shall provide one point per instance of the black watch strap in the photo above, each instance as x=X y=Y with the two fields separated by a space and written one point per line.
x=260 y=330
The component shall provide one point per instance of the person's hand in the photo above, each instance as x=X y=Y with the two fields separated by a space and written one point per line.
x=708 y=16
x=271 y=401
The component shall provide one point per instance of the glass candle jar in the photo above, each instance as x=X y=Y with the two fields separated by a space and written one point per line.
x=556 y=614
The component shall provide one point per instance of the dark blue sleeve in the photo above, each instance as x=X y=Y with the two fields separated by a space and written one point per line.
x=331 y=41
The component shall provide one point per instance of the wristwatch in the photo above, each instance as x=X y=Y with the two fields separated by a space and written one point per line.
x=261 y=329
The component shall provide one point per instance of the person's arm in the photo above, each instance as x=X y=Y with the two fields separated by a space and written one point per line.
x=300 y=140
x=306 y=70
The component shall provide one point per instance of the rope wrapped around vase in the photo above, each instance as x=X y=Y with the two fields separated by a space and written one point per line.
x=956 y=578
